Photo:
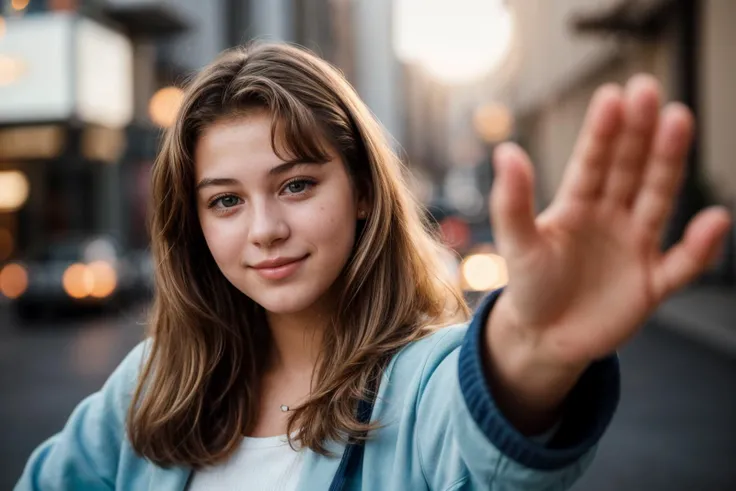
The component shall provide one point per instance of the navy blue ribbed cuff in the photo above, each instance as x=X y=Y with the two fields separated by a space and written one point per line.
x=588 y=410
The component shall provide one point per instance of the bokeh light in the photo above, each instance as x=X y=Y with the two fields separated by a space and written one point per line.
x=97 y=280
x=99 y=250
x=14 y=190
x=455 y=232
x=165 y=105
x=484 y=272
x=19 y=4
x=78 y=281
x=104 y=279
x=493 y=122
x=13 y=281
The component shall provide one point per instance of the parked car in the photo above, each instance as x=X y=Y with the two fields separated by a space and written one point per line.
x=70 y=273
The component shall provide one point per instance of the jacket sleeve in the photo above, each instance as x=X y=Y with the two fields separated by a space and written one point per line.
x=84 y=455
x=465 y=442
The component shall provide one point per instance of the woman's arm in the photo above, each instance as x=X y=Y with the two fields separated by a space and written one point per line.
x=465 y=439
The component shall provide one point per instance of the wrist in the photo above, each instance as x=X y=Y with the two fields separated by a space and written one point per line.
x=530 y=382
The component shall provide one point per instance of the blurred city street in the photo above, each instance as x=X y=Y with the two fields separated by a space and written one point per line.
x=674 y=430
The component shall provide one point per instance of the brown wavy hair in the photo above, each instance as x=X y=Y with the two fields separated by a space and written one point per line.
x=196 y=395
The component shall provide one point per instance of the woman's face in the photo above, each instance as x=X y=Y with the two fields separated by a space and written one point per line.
x=280 y=232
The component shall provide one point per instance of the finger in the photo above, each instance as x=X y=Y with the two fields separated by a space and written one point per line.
x=512 y=200
x=641 y=110
x=687 y=259
x=663 y=175
x=584 y=177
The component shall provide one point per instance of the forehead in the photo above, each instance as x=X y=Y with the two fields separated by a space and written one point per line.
x=243 y=141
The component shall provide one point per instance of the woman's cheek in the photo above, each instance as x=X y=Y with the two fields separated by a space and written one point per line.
x=224 y=240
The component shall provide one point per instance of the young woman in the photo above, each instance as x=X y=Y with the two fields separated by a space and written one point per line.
x=298 y=335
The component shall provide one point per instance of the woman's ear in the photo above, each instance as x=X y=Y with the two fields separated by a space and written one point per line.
x=363 y=208
x=364 y=202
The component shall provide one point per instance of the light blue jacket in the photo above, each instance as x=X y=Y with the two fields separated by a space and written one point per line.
x=442 y=431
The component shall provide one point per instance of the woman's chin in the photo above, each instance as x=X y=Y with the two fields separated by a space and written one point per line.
x=285 y=303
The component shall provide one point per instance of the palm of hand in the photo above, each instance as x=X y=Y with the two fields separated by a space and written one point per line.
x=588 y=271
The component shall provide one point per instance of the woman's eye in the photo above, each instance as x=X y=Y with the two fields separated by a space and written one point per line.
x=227 y=201
x=298 y=186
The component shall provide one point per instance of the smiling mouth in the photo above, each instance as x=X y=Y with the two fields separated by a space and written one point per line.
x=279 y=269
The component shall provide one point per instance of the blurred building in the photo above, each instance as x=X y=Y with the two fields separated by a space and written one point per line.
x=76 y=79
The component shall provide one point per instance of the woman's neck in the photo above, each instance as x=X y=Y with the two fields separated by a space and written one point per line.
x=296 y=340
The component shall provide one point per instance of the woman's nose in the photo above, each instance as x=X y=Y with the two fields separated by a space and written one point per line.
x=267 y=226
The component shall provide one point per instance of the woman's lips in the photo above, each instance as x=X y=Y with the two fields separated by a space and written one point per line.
x=280 y=269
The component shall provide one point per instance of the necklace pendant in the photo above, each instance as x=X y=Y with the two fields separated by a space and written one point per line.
x=284 y=408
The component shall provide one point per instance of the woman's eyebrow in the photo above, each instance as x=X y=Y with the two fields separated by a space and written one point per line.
x=216 y=181
x=287 y=166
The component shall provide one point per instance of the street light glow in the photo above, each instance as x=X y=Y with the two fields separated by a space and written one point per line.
x=164 y=106
x=493 y=122
x=14 y=190
x=484 y=272
x=19 y=4
x=13 y=281
x=456 y=41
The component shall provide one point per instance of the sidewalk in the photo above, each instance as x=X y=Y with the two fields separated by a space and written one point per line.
x=705 y=313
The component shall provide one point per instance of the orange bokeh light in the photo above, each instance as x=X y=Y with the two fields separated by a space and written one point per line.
x=164 y=106
x=77 y=281
x=104 y=279
x=20 y=4
x=13 y=281
x=97 y=280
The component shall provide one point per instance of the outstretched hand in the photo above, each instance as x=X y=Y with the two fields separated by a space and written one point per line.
x=586 y=273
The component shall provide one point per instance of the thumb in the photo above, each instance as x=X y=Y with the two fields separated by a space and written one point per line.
x=512 y=201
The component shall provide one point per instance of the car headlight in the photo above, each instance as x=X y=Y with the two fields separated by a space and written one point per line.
x=97 y=280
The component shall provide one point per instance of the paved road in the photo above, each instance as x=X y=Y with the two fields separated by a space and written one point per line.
x=46 y=369
x=675 y=429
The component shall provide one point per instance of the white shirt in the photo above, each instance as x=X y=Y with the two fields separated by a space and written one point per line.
x=259 y=464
